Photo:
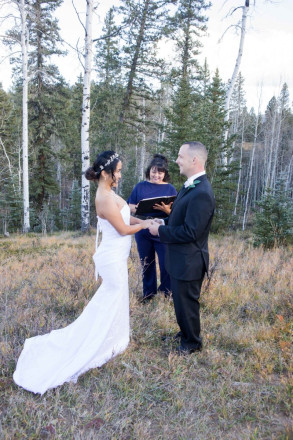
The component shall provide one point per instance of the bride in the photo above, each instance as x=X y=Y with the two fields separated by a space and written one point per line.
x=102 y=330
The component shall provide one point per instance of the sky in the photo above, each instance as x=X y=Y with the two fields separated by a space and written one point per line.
x=267 y=60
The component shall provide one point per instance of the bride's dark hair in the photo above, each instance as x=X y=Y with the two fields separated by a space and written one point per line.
x=106 y=161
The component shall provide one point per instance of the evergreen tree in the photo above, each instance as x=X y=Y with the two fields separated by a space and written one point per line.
x=10 y=173
x=274 y=219
x=106 y=129
x=185 y=28
x=210 y=125
x=73 y=217
x=70 y=135
x=45 y=79
x=142 y=27
x=210 y=122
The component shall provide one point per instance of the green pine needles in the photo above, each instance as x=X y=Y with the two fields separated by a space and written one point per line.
x=274 y=219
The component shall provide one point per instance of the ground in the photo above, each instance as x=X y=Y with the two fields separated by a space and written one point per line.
x=239 y=387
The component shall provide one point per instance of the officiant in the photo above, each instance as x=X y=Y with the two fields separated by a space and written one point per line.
x=156 y=185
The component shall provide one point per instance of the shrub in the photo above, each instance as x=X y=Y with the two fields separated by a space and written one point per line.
x=274 y=220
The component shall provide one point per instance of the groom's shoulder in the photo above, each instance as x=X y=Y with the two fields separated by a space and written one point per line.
x=204 y=189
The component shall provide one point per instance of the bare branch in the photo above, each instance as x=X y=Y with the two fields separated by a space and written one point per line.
x=78 y=15
x=8 y=56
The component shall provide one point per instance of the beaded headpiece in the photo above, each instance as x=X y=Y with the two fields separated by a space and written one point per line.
x=110 y=160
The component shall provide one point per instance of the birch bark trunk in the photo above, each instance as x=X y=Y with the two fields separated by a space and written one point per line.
x=235 y=73
x=251 y=169
x=85 y=124
x=143 y=147
x=268 y=170
x=240 y=170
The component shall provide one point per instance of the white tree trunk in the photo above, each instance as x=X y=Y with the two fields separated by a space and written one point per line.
x=85 y=124
x=240 y=169
x=289 y=174
x=143 y=147
x=9 y=163
x=251 y=169
x=235 y=73
x=24 y=50
x=268 y=170
x=280 y=110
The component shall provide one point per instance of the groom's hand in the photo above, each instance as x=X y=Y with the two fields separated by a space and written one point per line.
x=154 y=227
x=159 y=220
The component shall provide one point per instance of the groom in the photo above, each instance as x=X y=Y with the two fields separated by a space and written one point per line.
x=186 y=233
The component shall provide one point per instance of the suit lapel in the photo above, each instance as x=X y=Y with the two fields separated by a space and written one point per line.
x=181 y=193
x=184 y=190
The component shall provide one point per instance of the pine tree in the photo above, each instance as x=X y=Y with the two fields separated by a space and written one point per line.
x=274 y=218
x=185 y=27
x=44 y=40
x=106 y=129
x=210 y=126
x=142 y=27
x=73 y=212
x=10 y=173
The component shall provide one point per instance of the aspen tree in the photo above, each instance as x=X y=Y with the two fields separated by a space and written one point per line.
x=25 y=177
x=232 y=82
x=85 y=124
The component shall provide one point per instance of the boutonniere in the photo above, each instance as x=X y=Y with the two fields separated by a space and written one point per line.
x=192 y=185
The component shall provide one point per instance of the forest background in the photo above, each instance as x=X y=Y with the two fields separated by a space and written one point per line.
x=240 y=386
x=141 y=104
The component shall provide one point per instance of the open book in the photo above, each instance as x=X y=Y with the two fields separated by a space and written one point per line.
x=145 y=206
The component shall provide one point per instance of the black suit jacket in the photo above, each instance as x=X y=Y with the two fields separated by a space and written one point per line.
x=186 y=232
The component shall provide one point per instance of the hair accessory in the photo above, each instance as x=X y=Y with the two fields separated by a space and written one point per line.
x=110 y=160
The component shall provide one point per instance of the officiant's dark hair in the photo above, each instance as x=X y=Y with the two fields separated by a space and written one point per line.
x=106 y=161
x=159 y=162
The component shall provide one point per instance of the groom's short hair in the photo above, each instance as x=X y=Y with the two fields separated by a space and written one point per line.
x=199 y=150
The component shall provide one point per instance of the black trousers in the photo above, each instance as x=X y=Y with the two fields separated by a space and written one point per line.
x=186 y=303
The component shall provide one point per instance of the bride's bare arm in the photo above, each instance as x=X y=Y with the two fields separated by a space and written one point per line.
x=132 y=208
x=135 y=220
x=108 y=209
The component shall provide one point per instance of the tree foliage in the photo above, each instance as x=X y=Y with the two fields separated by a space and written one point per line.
x=274 y=218
x=141 y=104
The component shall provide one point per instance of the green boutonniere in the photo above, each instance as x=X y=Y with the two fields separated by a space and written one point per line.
x=193 y=184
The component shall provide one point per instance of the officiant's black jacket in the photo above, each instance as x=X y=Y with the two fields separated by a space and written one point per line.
x=186 y=232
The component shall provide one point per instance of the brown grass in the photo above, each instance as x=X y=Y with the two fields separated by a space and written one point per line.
x=239 y=387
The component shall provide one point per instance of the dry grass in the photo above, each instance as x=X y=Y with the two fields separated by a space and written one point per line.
x=239 y=387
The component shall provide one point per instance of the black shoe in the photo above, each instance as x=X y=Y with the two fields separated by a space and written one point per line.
x=168 y=296
x=178 y=336
x=147 y=298
x=173 y=338
x=182 y=351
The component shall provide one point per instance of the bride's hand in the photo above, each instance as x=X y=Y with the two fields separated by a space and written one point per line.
x=146 y=223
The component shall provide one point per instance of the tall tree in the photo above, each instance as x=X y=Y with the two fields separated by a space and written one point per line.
x=44 y=41
x=20 y=35
x=106 y=128
x=142 y=25
x=25 y=176
x=10 y=150
x=85 y=123
x=186 y=27
x=232 y=82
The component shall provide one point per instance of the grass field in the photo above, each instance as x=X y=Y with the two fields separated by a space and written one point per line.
x=239 y=387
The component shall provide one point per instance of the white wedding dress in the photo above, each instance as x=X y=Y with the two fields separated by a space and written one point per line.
x=98 y=334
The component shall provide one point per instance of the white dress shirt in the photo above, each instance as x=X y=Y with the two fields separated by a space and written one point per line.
x=190 y=179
